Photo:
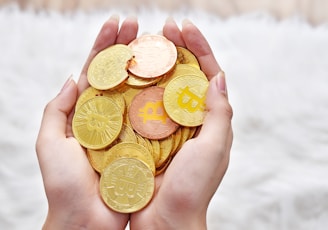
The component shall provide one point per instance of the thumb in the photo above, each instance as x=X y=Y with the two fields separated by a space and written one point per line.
x=56 y=113
x=216 y=129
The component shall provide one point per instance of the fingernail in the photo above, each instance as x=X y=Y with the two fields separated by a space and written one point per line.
x=221 y=82
x=170 y=20
x=115 y=17
x=67 y=83
x=186 y=22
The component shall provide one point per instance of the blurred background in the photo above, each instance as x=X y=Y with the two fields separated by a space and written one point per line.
x=315 y=11
x=275 y=56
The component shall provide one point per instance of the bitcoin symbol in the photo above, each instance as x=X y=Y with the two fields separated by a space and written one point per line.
x=125 y=188
x=190 y=101
x=153 y=111
x=96 y=122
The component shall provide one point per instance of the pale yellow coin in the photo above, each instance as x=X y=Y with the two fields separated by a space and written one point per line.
x=108 y=69
x=156 y=149
x=127 y=134
x=127 y=185
x=97 y=123
x=91 y=92
x=185 y=56
x=166 y=146
x=180 y=70
x=96 y=159
x=129 y=150
x=137 y=82
x=184 y=100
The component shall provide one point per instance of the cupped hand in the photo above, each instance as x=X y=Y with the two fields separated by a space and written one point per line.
x=184 y=191
x=71 y=185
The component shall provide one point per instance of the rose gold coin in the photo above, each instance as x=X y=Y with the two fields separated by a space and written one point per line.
x=147 y=114
x=154 y=56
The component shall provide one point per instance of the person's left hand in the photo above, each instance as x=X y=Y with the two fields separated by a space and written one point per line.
x=71 y=185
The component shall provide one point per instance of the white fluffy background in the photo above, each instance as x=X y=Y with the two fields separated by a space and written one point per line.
x=277 y=74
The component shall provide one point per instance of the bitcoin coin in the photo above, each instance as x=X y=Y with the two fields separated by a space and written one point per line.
x=180 y=70
x=129 y=150
x=96 y=159
x=127 y=185
x=154 y=56
x=97 y=123
x=107 y=69
x=138 y=82
x=184 y=100
x=91 y=92
x=147 y=114
x=185 y=56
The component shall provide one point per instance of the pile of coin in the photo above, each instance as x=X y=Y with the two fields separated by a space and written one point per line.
x=145 y=100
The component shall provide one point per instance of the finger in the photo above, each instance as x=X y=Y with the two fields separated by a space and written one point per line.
x=54 y=121
x=197 y=44
x=128 y=31
x=172 y=32
x=216 y=129
x=106 y=37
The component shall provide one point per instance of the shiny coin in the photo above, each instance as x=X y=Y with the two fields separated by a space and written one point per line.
x=180 y=70
x=138 y=82
x=185 y=56
x=107 y=69
x=129 y=150
x=127 y=185
x=91 y=92
x=96 y=159
x=97 y=123
x=184 y=100
x=154 y=56
x=147 y=114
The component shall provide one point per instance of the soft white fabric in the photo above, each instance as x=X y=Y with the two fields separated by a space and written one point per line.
x=277 y=74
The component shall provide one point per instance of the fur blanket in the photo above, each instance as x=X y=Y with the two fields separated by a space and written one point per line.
x=277 y=75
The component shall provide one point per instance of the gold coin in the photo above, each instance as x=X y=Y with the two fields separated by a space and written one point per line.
x=147 y=114
x=166 y=146
x=127 y=134
x=155 y=55
x=107 y=69
x=96 y=159
x=91 y=92
x=127 y=185
x=184 y=100
x=180 y=70
x=185 y=56
x=156 y=150
x=129 y=150
x=97 y=123
x=138 y=82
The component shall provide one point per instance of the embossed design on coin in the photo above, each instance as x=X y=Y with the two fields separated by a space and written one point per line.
x=108 y=68
x=127 y=185
x=147 y=114
x=184 y=100
x=97 y=123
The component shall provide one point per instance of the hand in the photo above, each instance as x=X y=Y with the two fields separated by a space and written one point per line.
x=184 y=191
x=71 y=185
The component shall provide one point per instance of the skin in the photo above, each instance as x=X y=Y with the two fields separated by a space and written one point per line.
x=182 y=194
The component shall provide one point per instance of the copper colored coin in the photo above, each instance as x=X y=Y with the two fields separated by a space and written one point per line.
x=154 y=56
x=147 y=114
